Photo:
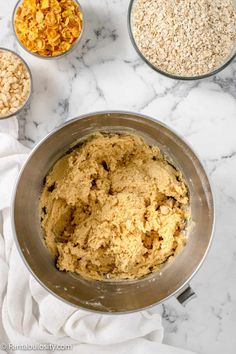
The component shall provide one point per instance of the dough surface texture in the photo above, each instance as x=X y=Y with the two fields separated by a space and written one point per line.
x=114 y=208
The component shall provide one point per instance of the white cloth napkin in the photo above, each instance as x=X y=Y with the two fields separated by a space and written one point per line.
x=30 y=315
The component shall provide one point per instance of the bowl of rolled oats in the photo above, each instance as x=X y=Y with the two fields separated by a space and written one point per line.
x=15 y=83
x=48 y=29
x=184 y=39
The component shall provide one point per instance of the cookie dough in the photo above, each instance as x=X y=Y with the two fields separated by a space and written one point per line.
x=114 y=207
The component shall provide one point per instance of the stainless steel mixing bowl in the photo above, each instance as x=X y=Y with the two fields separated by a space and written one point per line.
x=111 y=296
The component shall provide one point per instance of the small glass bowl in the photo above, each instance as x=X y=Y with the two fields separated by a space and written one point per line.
x=31 y=84
x=72 y=48
x=227 y=61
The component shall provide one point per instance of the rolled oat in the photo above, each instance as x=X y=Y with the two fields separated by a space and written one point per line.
x=185 y=37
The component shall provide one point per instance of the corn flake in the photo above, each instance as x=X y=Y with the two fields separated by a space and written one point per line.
x=39 y=16
x=44 y=4
x=48 y=27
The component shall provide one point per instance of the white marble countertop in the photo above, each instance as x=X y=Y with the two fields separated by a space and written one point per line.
x=106 y=73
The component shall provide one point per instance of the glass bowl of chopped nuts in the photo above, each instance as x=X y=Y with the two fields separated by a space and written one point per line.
x=48 y=29
x=15 y=83
x=184 y=40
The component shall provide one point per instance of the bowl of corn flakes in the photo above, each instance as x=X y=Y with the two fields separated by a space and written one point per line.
x=48 y=28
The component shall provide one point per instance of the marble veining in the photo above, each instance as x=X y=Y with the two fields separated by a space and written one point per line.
x=105 y=72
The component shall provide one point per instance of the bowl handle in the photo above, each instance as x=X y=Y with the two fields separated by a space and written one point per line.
x=185 y=295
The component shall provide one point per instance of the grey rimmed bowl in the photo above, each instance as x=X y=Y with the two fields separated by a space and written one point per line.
x=31 y=84
x=72 y=48
x=215 y=71
x=111 y=296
